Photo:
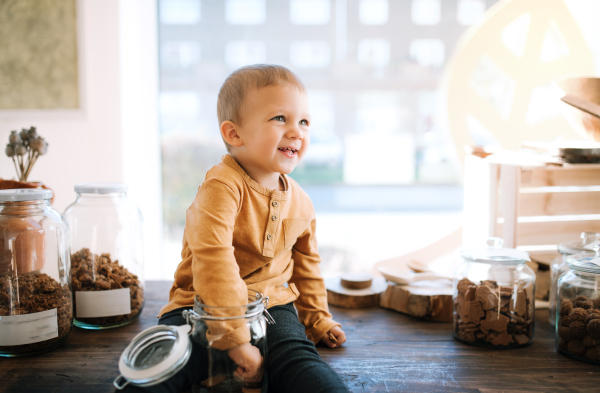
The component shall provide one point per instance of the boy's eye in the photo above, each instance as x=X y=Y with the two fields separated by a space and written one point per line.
x=303 y=122
x=279 y=118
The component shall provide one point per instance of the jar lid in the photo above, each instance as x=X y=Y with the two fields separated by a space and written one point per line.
x=586 y=243
x=100 y=187
x=587 y=262
x=154 y=355
x=24 y=194
x=495 y=253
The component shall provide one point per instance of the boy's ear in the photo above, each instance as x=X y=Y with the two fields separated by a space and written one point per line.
x=230 y=134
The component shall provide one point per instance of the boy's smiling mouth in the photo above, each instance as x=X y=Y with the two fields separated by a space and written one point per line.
x=288 y=151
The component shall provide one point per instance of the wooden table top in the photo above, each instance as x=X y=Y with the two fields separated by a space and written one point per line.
x=385 y=352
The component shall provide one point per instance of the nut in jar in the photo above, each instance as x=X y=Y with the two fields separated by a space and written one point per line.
x=494 y=292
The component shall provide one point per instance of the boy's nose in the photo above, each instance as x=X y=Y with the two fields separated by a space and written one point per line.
x=294 y=133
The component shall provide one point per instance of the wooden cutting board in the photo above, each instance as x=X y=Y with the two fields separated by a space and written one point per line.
x=430 y=300
x=338 y=295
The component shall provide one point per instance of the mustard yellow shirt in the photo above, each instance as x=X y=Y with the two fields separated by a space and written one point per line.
x=240 y=235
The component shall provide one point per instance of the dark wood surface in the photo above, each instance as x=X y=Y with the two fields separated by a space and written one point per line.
x=386 y=352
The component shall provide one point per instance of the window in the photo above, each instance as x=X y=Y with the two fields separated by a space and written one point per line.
x=245 y=12
x=373 y=12
x=310 y=12
x=427 y=52
x=374 y=53
x=179 y=12
x=426 y=12
x=470 y=12
x=310 y=54
x=241 y=53
x=179 y=54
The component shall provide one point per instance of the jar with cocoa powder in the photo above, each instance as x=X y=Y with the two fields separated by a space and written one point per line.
x=494 y=294
x=107 y=261
x=578 y=314
x=36 y=310
x=586 y=243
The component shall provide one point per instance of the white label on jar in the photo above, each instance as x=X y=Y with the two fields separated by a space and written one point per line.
x=94 y=304
x=28 y=328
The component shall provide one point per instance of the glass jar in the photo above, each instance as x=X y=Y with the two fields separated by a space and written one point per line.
x=216 y=327
x=159 y=352
x=559 y=265
x=107 y=262
x=36 y=310
x=578 y=317
x=493 y=297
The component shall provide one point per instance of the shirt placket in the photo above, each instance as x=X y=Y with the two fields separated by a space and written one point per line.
x=272 y=225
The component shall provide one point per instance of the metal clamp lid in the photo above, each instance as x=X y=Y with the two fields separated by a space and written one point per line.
x=495 y=253
x=154 y=355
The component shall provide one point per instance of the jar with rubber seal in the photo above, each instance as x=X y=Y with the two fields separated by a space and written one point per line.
x=160 y=352
x=586 y=243
x=578 y=314
x=107 y=261
x=493 y=297
x=36 y=312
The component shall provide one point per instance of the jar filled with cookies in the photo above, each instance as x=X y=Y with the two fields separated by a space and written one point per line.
x=107 y=261
x=586 y=243
x=578 y=314
x=36 y=311
x=493 y=297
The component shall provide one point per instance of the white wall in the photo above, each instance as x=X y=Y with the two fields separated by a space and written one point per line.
x=114 y=135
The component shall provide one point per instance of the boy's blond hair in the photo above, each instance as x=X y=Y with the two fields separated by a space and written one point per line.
x=243 y=80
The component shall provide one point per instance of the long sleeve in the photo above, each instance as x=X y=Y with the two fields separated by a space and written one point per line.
x=216 y=275
x=312 y=301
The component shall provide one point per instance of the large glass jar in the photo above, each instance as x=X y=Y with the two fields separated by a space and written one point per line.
x=159 y=352
x=578 y=316
x=559 y=265
x=36 y=310
x=107 y=262
x=493 y=297
x=215 y=328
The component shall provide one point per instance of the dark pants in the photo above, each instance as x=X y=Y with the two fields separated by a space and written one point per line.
x=293 y=364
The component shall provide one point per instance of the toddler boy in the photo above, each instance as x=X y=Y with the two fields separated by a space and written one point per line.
x=252 y=227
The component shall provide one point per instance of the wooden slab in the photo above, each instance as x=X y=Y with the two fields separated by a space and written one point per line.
x=339 y=296
x=430 y=300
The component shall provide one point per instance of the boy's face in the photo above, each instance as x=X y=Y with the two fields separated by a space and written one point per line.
x=274 y=130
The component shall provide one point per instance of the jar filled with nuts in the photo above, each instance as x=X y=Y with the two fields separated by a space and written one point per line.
x=578 y=316
x=107 y=262
x=494 y=293
x=36 y=311
x=559 y=266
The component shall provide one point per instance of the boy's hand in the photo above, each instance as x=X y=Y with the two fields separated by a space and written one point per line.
x=334 y=338
x=249 y=361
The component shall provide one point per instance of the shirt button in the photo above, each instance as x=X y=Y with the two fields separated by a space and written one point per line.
x=274 y=218
x=269 y=237
x=275 y=203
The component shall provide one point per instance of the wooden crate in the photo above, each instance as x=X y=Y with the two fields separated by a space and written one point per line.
x=532 y=206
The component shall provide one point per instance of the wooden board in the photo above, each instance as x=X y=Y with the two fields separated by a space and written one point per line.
x=339 y=296
x=431 y=301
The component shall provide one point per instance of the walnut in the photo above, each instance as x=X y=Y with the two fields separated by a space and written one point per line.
x=591 y=316
x=564 y=334
x=588 y=341
x=593 y=328
x=565 y=321
x=577 y=329
x=586 y=304
x=593 y=353
x=566 y=307
x=576 y=347
x=578 y=314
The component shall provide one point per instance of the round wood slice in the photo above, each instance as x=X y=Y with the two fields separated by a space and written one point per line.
x=356 y=280
x=339 y=296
